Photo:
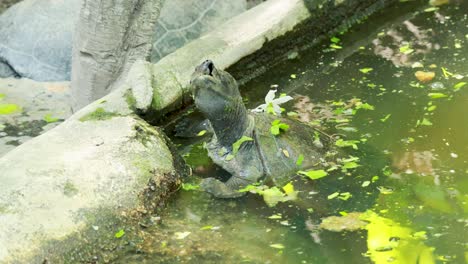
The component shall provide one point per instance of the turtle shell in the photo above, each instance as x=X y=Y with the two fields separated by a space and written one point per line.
x=280 y=153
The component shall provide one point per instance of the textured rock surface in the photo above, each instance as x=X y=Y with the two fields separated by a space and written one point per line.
x=57 y=184
x=35 y=38
x=40 y=107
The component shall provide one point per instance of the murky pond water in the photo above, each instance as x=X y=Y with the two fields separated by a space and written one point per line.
x=411 y=185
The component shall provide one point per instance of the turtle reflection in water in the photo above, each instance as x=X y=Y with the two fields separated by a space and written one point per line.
x=263 y=156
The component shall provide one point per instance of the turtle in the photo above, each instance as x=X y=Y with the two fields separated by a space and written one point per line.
x=242 y=142
x=36 y=35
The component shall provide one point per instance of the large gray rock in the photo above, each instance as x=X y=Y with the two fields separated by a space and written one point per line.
x=35 y=38
x=36 y=35
x=100 y=164
x=29 y=108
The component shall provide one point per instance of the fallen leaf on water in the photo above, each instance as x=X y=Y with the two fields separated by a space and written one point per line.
x=349 y=222
x=424 y=77
x=278 y=246
x=120 y=234
x=181 y=235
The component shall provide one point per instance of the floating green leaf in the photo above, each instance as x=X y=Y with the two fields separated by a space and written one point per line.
x=426 y=122
x=406 y=49
x=208 y=227
x=384 y=190
x=314 y=174
x=248 y=188
x=349 y=165
x=366 y=70
x=364 y=106
x=347 y=143
x=201 y=133
x=431 y=9
x=446 y=72
x=335 y=46
x=431 y=108
x=385 y=118
x=181 y=235
x=345 y=196
x=459 y=85
x=299 y=160
x=275 y=216
x=288 y=188
x=333 y=195
x=365 y=184
x=277 y=127
x=236 y=146
x=387 y=171
x=273 y=196
x=120 y=233
x=437 y=95
x=335 y=40
x=190 y=187
x=277 y=246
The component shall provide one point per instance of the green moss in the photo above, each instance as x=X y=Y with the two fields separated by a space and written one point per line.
x=144 y=131
x=7 y=109
x=49 y=119
x=98 y=114
x=69 y=189
x=3 y=209
x=145 y=168
x=131 y=101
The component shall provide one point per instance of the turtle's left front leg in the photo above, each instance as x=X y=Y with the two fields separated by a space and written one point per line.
x=229 y=189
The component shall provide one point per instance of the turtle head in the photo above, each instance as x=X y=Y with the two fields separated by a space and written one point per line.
x=212 y=87
x=217 y=96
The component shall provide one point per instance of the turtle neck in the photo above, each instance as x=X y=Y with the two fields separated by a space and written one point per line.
x=228 y=117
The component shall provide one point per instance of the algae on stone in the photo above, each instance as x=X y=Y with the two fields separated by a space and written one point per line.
x=99 y=114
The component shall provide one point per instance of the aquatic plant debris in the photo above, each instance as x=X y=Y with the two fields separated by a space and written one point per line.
x=459 y=85
x=437 y=95
x=347 y=143
x=181 y=235
x=119 y=234
x=406 y=49
x=313 y=174
x=236 y=146
x=277 y=127
x=366 y=70
x=300 y=159
x=277 y=246
x=190 y=187
x=272 y=196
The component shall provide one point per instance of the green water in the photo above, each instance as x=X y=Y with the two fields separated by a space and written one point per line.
x=416 y=145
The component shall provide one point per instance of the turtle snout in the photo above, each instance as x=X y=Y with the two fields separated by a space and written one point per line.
x=207 y=67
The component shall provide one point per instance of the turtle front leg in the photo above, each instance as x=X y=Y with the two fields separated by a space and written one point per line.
x=229 y=189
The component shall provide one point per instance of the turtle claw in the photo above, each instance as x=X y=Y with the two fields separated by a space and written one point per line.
x=219 y=189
